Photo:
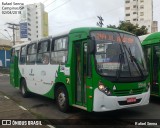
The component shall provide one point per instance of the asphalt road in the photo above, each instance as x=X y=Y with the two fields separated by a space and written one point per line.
x=44 y=108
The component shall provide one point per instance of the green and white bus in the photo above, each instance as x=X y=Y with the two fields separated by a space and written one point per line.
x=95 y=69
x=151 y=46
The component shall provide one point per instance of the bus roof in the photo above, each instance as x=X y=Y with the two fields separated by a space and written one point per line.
x=152 y=39
x=88 y=29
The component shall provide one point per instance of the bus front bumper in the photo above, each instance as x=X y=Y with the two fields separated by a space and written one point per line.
x=102 y=102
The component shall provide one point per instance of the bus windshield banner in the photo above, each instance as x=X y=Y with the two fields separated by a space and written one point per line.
x=115 y=37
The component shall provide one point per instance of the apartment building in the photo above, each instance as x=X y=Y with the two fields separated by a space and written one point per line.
x=141 y=12
x=35 y=20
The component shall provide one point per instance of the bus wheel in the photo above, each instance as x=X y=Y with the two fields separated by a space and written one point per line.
x=23 y=89
x=62 y=99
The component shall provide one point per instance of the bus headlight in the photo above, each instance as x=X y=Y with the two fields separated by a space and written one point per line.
x=104 y=89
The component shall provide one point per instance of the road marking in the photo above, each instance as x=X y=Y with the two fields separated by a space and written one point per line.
x=6 y=97
x=50 y=126
x=23 y=108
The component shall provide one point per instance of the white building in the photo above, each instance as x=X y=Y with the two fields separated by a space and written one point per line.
x=36 y=20
x=141 y=12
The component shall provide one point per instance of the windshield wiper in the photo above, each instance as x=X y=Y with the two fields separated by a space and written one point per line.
x=132 y=58
x=121 y=56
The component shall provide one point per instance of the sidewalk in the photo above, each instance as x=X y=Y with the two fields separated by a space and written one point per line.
x=10 y=110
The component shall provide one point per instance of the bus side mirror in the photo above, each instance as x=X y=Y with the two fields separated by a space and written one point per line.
x=91 y=45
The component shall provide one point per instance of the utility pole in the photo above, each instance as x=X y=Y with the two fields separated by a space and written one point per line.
x=13 y=27
x=100 y=23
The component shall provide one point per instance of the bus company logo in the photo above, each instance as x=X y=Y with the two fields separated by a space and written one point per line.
x=131 y=91
x=6 y=122
x=114 y=88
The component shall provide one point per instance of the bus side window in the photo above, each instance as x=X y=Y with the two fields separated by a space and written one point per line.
x=31 y=53
x=43 y=52
x=59 y=51
x=23 y=55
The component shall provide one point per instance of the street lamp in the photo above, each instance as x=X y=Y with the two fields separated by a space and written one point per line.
x=3 y=35
x=8 y=33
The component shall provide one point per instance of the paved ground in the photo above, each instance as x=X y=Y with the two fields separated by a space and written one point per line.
x=39 y=107
x=12 y=113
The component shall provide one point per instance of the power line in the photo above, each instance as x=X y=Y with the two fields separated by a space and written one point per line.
x=59 y=6
x=91 y=17
x=44 y=1
x=4 y=36
x=50 y=4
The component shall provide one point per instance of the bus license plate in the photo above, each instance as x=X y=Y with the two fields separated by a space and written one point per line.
x=131 y=100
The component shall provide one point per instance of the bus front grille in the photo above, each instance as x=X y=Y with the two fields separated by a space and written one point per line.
x=128 y=92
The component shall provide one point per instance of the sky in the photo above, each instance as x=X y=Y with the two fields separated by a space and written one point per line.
x=67 y=14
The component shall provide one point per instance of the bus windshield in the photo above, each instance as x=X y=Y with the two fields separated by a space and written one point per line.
x=118 y=55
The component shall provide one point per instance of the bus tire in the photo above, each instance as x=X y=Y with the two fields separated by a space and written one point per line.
x=23 y=89
x=62 y=99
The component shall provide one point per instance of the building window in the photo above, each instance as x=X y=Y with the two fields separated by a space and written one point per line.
x=134 y=12
x=28 y=14
x=31 y=53
x=127 y=8
x=29 y=19
x=134 y=6
x=127 y=14
x=59 y=51
x=135 y=19
x=141 y=13
x=142 y=7
x=127 y=1
x=141 y=1
x=29 y=34
x=141 y=19
x=36 y=26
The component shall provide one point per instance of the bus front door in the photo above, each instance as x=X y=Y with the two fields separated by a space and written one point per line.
x=14 y=68
x=156 y=71
x=80 y=73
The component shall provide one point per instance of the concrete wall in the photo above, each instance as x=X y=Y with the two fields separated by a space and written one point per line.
x=5 y=42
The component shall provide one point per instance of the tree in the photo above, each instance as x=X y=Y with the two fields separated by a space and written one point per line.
x=129 y=27
x=111 y=26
